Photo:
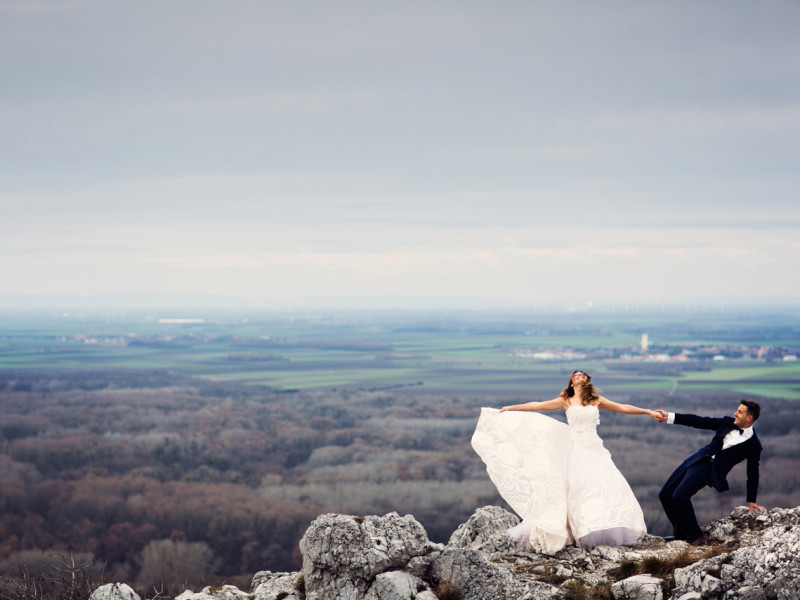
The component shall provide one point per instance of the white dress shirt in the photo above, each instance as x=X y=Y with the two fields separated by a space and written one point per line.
x=735 y=436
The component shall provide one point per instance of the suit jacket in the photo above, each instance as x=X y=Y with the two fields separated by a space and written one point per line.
x=724 y=460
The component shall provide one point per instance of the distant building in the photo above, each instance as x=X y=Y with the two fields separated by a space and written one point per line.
x=645 y=342
x=181 y=320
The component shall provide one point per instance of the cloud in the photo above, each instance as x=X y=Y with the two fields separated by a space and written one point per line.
x=699 y=122
x=413 y=250
x=39 y=8
x=301 y=101
x=432 y=148
x=570 y=150
x=282 y=263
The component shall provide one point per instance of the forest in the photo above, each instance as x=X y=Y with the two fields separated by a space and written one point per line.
x=162 y=478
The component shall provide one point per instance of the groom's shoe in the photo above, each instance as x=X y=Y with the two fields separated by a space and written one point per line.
x=669 y=538
x=703 y=540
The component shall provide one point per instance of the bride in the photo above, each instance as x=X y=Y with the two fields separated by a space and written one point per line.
x=560 y=478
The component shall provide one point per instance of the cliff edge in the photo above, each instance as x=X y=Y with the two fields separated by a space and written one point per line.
x=749 y=556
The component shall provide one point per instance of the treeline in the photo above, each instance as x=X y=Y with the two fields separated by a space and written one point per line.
x=189 y=341
x=141 y=469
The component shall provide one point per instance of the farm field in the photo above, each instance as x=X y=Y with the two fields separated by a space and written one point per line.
x=476 y=354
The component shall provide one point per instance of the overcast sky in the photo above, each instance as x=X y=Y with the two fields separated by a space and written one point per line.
x=401 y=153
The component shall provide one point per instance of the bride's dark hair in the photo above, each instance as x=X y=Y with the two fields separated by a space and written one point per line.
x=589 y=395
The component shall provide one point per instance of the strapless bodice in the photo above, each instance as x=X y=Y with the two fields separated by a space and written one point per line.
x=583 y=421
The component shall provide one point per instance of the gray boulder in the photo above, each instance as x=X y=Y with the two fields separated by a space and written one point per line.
x=396 y=585
x=275 y=586
x=767 y=566
x=190 y=595
x=743 y=526
x=420 y=566
x=638 y=587
x=485 y=531
x=343 y=554
x=114 y=591
x=223 y=592
x=470 y=574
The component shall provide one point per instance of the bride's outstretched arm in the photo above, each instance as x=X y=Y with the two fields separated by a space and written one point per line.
x=628 y=409
x=553 y=404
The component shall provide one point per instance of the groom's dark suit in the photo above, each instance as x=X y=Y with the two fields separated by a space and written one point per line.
x=708 y=466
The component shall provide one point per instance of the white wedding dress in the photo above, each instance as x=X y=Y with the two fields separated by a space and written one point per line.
x=558 y=478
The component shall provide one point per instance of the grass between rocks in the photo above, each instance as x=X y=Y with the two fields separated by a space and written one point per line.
x=447 y=591
x=661 y=567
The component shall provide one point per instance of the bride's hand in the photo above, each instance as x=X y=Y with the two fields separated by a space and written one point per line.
x=505 y=408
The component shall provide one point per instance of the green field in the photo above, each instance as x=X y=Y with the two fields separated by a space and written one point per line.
x=463 y=354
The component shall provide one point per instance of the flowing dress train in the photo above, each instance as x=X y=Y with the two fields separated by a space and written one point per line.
x=558 y=478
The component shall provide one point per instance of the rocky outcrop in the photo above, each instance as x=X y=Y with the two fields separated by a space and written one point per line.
x=638 y=587
x=484 y=531
x=472 y=576
x=749 y=556
x=276 y=586
x=342 y=554
x=765 y=566
x=114 y=591
x=224 y=592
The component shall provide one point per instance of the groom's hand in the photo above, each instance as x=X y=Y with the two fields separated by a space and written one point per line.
x=753 y=505
x=662 y=415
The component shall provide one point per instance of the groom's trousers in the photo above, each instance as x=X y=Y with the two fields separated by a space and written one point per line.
x=676 y=498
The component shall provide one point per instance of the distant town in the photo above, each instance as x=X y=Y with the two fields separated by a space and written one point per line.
x=646 y=352
x=643 y=352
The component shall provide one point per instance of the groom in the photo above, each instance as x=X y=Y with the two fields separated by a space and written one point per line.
x=734 y=441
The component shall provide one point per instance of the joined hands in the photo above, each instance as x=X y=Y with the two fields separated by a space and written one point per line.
x=659 y=415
